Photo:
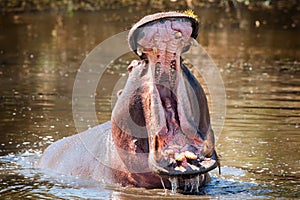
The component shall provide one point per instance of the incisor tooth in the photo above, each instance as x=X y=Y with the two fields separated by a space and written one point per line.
x=179 y=156
x=182 y=169
x=169 y=152
x=190 y=155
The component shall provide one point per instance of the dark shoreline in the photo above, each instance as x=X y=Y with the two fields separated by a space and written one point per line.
x=69 y=6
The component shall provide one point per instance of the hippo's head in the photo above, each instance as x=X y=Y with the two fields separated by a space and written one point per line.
x=161 y=122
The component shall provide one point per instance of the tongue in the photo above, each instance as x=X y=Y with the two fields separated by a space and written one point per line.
x=172 y=122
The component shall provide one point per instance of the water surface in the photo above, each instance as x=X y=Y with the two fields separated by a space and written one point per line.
x=40 y=55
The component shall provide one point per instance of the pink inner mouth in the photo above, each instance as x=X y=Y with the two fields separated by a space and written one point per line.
x=174 y=152
x=175 y=146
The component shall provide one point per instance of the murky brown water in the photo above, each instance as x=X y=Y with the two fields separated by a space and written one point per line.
x=41 y=53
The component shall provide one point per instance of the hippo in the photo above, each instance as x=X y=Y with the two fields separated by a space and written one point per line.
x=160 y=133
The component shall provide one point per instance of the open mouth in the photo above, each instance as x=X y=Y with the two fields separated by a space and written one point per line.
x=173 y=152
x=180 y=139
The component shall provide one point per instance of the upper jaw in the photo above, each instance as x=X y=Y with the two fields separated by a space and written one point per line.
x=164 y=40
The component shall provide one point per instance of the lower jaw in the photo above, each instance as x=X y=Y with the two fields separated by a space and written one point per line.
x=208 y=165
x=172 y=138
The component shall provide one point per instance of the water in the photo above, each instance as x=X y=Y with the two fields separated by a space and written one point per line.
x=174 y=184
x=260 y=67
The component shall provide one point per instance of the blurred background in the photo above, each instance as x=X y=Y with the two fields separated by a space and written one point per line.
x=254 y=43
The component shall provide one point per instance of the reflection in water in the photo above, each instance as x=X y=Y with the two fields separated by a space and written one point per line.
x=260 y=67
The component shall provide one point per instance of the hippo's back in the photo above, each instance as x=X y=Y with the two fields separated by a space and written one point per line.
x=86 y=154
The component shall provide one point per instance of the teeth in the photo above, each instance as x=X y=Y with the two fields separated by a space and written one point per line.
x=179 y=156
x=139 y=51
x=182 y=169
x=190 y=155
x=178 y=35
x=169 y=152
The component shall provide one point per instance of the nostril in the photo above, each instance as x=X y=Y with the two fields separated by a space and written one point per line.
x=133 y=64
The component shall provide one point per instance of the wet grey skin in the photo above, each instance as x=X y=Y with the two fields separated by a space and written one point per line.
x=160 y=133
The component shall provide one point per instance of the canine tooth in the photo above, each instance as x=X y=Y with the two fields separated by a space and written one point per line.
x=178 y=35
x=182 y=169
x=179 y=156
x=190 y=155
x=139 y=51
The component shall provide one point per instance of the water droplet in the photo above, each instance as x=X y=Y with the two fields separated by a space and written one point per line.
x=197 y=180
x=26 y=143
x=257 y=23
x=174 y=184
x=163 y=184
